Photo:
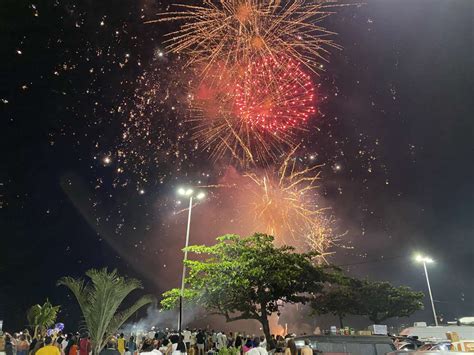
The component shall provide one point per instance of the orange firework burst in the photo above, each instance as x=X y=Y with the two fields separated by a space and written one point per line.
x=235 y=31
x=284 y=205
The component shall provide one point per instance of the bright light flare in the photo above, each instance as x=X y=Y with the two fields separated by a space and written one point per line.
x=423 y=259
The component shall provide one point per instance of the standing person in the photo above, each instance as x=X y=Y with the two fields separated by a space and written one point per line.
x=200 y=341
x=271 y=346
x=8 y=345
x=187 y=337
x=306 y=350
x=247 y=346
x=84 y=345
x=71 y=348
x=121 y=344
x=131 y=345
x=65 y=342
x=238 y=342
x=48 y=348
x=221 y=341
x=2 y=343
x=291 y=348
x=214 y=338
x=180 y=348
x=230 y=340
x=257 y=349
x=22 y=346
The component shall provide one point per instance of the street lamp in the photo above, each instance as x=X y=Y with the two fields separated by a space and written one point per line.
x=186 y=192
x=427 y=260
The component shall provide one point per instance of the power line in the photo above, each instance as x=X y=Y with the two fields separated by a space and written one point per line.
x=380 y=260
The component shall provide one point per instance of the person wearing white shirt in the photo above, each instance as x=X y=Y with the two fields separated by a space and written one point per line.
x=221 y=341
x=187 y=337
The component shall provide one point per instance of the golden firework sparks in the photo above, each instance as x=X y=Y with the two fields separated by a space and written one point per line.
x=284 y=204
x=236 y=31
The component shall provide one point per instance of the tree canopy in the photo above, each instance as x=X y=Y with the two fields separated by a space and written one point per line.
x=100 y=300
x=339 y=299
x=376 y=300
x=249 y=278
x=40 y=317
x=381 y=300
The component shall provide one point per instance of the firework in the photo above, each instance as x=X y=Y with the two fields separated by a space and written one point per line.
x=252 y=112
x=275 y=95
x=235 y=31
x=284 y=205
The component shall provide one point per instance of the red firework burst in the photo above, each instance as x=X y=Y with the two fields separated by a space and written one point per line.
x=275 y=95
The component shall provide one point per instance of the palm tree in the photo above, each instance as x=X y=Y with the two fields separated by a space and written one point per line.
x=41 y=317
x=100 y=300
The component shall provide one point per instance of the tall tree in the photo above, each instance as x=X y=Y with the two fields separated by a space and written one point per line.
x=100 y=300
x=248 y=278
x=381 y=300
x=40 y=317
x=378 y=301
x=339 y=299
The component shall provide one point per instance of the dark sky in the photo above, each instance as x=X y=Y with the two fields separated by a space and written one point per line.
x=76 y=75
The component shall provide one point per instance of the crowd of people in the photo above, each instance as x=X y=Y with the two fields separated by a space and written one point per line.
x=191 y=342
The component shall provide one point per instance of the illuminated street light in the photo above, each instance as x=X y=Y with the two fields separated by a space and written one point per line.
x=427 y=260
x=188 y=192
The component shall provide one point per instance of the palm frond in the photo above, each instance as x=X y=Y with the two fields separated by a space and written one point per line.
x=100 y=301
x=122 y=316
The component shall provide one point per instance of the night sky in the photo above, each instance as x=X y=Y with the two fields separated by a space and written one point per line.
x=85 y=83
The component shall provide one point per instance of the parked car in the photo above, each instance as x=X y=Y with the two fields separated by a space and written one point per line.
x=345 y=344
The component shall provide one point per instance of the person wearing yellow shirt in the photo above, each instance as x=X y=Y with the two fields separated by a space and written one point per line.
x=48 y=349
x=121 y=344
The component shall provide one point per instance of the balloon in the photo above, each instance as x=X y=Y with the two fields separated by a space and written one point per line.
x=59 y=326
x=49 y=332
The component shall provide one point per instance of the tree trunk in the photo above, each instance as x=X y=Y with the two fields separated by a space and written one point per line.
x=340 y=321
x=266 y=328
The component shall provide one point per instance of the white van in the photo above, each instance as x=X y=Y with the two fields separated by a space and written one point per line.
x=439 y=333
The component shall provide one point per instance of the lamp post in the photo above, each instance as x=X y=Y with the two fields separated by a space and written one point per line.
x=199 y=196
x=427 y=260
